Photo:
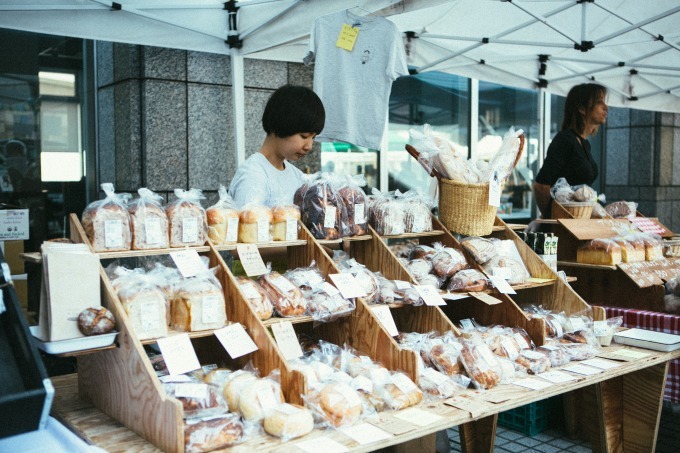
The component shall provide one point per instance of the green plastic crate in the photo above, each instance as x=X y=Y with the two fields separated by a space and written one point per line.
x=529 y=420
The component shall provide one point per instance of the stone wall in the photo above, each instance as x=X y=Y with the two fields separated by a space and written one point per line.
x=642 y=162
x=165 y=117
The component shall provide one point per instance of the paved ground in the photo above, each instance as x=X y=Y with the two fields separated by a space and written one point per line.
x=555 y=440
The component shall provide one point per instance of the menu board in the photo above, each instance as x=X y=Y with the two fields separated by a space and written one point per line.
x=648 y=273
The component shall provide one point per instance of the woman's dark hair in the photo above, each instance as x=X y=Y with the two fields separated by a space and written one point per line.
x=581 y=99
x=293 y=109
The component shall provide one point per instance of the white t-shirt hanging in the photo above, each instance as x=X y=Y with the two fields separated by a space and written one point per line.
x=355 y=86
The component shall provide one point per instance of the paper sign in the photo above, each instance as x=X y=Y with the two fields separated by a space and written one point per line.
x=348 y=36
x=401 y=284
x=540 y=280
x=190 y=229
x=365 y=433
x=291 y=230
x=577 y=324
x=393 y=425
x=556 y=377
x=153 y=231
x=384 y=315
x=502 y=285
x=113 y=233
x=601 y=363
x=430 y=295
x=418 y=417
x=582 y=369
x=232 y=229
x=455 y=296
x=475 y=408
x=496 y=399
x=287 y=340
x=631 y=354
x=188 y=262
x=178 y=354
x=347 y=285
x=14 y=224
x=532 y=383
x=329 y=289
x=175 y=378
x=494 y=190
x=329 y=217
x=321 y=443
x=251 y=260
x=486 y=298
x=192 y=390
x=235 y=340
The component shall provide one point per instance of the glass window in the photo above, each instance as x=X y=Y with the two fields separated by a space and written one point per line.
x=501 y=108
x=435 y=98
x=346 y=159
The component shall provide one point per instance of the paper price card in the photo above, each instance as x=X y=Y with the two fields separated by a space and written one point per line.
x=178 y=354
x=627 y=353
x=475 y=408
x=430 y=295
x=235 y=340
x=251 y=260
x=418 y=417
x=287 y=340
x=347 y=284
x=392 y=425
x=556 y=377
x=188 y=262
x=486 y=298
x=348 y=36
x=502 y=285
x=401 y=284
x=365 y=433
x=455 y=296
x=494 y=190
x=321 y=443
x=601 y=363
x=582 y=369
x=532 y=383
x=14 y=224
x=384 y=315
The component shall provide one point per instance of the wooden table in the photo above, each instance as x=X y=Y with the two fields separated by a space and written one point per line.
x=620 y=409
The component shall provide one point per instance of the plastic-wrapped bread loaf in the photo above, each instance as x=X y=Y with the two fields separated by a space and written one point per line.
x=417 y=212
x=286 y=297
x=212 y=433
x=223 y=218
x=285 y=222
x=255 y=224
x=146 y=308
x=355 y=201
x=107 y=222
x=256 y=297
x=187 y=219
x=481 y=249
x=198 y=304
x=599 y=251
x=468 y=280
x=149 y=223
x=631 y=251
x=448 y=261
x=323 y=210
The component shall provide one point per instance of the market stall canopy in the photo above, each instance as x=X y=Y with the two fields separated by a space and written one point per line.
x=632 y=47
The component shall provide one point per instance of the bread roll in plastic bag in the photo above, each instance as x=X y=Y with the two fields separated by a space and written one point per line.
x=149 y=223
x=107 y=221
x=187 y=219
x=223 y=218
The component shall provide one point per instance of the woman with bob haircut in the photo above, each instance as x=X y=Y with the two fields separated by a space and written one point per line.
x=293 y=116
x=569 y=153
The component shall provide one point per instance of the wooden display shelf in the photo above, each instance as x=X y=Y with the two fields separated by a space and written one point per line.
x=292 y=320
x=363 y=237
x=172 y=332
x=622 y=414
x=87 y=351
x=586 y=265
x=435 y=232
x=262 y=245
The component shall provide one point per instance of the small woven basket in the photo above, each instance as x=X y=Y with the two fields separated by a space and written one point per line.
x=464 y=208
x=579 y=210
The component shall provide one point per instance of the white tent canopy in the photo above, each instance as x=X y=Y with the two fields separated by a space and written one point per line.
x=631 y=46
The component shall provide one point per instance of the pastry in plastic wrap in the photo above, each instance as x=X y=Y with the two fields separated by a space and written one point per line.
x=447 y=261
x=431 y=280
x=255 y=224
x=631 y=251
x=621 y=209
x=146 y=308
x=323 y=211
x=522 y=338
x=555 y=353
x=400 y=392
x=336 y=404
x=96 y=321
x=422 y=252
x=581 y=344
x=148 y=221
x=653 y=248
x=223 y=218
x=599 y=251
x=468 y=280
x=212 y=433
x=417 y=212
x=444 y=357
x=326 y=304
x=419 y=268
x=286 y=297
x=285 y=222
x=504 y=344
x=355 y=202
x=388 y=217
x=187 y=220
x=289 y=421
x=534 y=362
x=481 y=364
x=197 y=398
x=509 y=268
x=437 y=384
x=107 y=223
x=198 y=304
x=305 y=278
x=258 y=398
x=481 y=249
x=234 y=387
x=256 y=297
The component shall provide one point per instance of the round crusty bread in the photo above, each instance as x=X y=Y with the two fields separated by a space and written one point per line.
x=289 y=421
x=254 y=395
x=340 y=403
x=232 y=390
x=255 y=213
x=96 y=321
x=285 y=212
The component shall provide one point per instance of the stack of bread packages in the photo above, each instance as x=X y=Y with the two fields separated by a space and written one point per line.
x=256 y=297
x=323 y=211
x=223 y=219
x=622 y=209
x=345 y=386
x=629 y=247
x=498 y=258
x=107 y=222
x=161 y=297
x=149 y=223
x=187 y=219
x=568 y=337
x=324 y=301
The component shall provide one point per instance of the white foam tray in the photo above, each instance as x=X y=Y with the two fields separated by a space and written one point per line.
x=648 y=339
x=73 y=344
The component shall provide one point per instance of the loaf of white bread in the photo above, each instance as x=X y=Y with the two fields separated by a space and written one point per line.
x=149 y=223
x=198 y=304
x=255 y=224
x=285 y=222
x=107 y=223
x=599 y=251
x=632 y=251
x=187 y=219
x=222 y=225
x=146 y=308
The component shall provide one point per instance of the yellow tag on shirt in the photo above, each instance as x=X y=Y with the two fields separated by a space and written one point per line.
x=347 y=38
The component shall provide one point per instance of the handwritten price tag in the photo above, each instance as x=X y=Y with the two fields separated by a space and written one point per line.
x=188 y=262
x=235 y=340
x=347 y=284
x=286 y=338
x=178 y=354
x=430 y=295
x=384 y=315
x=348 y=36
x=251 y=260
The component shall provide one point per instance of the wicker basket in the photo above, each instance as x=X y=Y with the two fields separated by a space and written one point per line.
x=464 y=208
x=579 y=210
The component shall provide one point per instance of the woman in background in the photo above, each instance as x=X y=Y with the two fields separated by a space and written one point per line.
x=569 y=153
x=293 y=116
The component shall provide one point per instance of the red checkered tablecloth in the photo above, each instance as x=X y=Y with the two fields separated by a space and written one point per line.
x=658 y=322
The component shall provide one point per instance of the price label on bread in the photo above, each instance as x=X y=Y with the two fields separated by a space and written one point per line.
x=286 y=339
x=263 y=230
x=283 y=284
x=403 y=383
x=329 y=217
x=188 y=262
x=362 y=383
x=248 y=289
x=359 y=213
x=235 y=340
x=198 y=391
x=232 y=229
x=556 y=376
x=266 y=398
x=178 y=354
x=113 y=233
x=365 y=433
x=190 y=229
x=149 y=315
x=329 y=289
x=212 y=305
x=291 y=230
x=347 y=284
x=152 y=229
x=502 y=285
x=251 y=260
x=430 y=295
